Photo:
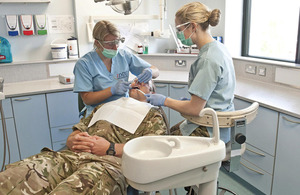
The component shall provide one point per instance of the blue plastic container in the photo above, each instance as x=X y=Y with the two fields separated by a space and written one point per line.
x=5 y=51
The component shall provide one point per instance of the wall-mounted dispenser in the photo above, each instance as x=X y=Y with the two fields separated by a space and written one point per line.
x=41 y=24
x=26 y=22
x=12 y=24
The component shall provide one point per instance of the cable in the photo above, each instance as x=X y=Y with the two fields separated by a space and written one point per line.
x=5 y=138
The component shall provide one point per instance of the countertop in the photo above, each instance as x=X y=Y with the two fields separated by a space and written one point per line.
x=279 y=98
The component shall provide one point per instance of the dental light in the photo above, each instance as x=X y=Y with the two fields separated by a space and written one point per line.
x=125 y=7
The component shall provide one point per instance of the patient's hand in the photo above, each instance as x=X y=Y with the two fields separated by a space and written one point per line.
x=100 y=146
x=80 y=141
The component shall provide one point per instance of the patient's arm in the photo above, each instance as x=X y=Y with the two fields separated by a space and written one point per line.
x=80 y=141
x=101 y=145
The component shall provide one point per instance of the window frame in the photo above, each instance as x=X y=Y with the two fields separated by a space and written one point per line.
x=246 y=35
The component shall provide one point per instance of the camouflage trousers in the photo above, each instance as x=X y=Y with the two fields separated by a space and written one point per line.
x=62 y=173
x=200 y=131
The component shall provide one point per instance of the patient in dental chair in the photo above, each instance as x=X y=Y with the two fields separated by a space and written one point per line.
x=92 y=162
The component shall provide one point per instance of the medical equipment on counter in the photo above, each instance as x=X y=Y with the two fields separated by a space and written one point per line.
x=5 y=51
x=5 y=137
x=66 y=79
x=187 y=160
x=59 y=49
x=12 y=24
x=72 y=48
x=41 y=24
x=27 y=24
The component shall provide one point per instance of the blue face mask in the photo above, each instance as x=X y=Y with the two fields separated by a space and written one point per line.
x=188 y=41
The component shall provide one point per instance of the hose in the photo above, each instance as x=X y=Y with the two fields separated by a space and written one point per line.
x=5 y=138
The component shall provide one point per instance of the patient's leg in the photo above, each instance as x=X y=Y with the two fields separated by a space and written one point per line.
x=100 y=177
x=38 y=174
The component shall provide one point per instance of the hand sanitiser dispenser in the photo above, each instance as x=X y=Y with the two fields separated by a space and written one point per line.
x=5 y=52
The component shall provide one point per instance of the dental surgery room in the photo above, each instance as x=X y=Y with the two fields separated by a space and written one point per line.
x=149 y=97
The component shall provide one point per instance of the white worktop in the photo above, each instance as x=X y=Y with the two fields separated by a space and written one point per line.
x=279 y=98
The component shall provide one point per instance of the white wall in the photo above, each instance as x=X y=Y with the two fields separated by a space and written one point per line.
x=34 y=48
x=84 y=9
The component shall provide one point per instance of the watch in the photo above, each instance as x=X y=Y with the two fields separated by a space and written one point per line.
x=111 y=150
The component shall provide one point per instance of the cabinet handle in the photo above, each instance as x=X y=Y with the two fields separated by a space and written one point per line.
x=251 y=169
x=67 y=128
x=177 y=87
x=258 y=153
x=22 y=99
x=160 y=86
x=290 y=120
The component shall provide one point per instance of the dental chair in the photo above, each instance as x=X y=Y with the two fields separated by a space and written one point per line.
x=154 y=163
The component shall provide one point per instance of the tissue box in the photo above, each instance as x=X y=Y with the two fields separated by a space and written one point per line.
x=66 y=79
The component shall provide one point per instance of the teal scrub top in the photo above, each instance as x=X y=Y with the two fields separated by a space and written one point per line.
x=212 y=78
x=91 y=73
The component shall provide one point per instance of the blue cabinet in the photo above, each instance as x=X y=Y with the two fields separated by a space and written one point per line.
x=286 y=172
x=13 y=151
x=32 y=125
x=175 y=91
x=163 y=88
x=258 y=159
x=63 y=114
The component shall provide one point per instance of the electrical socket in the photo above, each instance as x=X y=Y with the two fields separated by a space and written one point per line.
x=251 y=69
x=262 y=71
x=180 y=63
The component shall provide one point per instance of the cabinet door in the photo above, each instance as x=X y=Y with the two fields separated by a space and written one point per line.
x=286 y=172
x=261 y=132
x=32 y=124
x=63 y=108
x=177 y=91
x=163 y=88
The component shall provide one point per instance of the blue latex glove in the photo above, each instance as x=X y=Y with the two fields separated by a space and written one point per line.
x=120 y=88
x=156 y=99
x=145 y=76
x=184 y=98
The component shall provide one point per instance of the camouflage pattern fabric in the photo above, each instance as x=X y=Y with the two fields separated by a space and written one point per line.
x=200 y=131
x=67 y=172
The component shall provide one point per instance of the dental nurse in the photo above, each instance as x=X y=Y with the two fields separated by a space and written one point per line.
x=102 y=74
x=211 y=77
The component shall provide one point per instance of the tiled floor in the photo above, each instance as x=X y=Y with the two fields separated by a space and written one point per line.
x=227 y=180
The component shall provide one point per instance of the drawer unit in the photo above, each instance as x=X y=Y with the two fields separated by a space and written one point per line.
x=61 y=133
x=255 y=176
x=259 y=158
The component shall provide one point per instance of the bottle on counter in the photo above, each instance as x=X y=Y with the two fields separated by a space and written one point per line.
x=146 y=46
x=140 y=48
x=72 y=48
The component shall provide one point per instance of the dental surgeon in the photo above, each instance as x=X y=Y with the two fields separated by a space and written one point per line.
x=102 y=74
x=211 y=77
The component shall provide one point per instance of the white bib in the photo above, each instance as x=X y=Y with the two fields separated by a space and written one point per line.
x=126 y=113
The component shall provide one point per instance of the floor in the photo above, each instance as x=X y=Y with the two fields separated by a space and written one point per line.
x=227 y=180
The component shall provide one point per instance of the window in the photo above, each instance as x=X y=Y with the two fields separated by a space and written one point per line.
x=271 y=29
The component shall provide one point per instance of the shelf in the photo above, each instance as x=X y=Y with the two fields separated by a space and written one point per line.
x=37 y=62
x=25 y=1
